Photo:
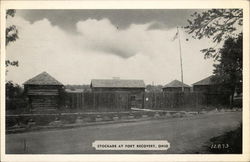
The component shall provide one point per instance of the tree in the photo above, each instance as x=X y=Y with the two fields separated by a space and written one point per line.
x=218 y=24
x=228 y=70
x=154 y=88
x=11 y=36
x=13 y=90
x=15 y=99
x=223 y=26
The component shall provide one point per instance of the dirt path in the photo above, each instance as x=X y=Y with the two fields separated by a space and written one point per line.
x=186 y=135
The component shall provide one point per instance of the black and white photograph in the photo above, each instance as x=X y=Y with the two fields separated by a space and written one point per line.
x=124 y=81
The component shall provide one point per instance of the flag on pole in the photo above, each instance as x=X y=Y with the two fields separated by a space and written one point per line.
x=175 y=36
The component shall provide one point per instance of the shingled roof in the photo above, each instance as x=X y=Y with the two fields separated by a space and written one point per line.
x=117 y=83
x=206 y=81
x=42 y=79
x=175 y=83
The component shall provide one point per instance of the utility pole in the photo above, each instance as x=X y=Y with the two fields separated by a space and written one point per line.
x=182 y=88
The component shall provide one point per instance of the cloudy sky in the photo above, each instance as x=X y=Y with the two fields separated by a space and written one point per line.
x=76 y=46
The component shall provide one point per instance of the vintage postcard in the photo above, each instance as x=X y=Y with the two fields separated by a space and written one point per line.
x=125 y=81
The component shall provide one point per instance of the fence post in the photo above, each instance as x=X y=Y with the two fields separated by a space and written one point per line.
x=94 y=100
x=24 y=145
x=82 y=107
x=143 y=99
x=196 y=99
x=155 y=100
x=128 y=102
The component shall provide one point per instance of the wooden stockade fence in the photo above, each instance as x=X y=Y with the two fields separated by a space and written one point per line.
x=179 y=100
x=97 y=100
x=122 y=101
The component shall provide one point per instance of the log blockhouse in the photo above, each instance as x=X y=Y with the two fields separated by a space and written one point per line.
x=43 y=92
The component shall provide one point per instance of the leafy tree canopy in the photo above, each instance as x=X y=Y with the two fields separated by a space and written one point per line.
x=218 y=24
x=154 y=88
x=11 y=36
x=13 y=90
x=229 y=68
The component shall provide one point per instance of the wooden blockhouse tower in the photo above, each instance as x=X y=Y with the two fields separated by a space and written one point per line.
x=43 y=92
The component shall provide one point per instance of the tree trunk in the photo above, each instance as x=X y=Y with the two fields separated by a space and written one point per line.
x=232 y=97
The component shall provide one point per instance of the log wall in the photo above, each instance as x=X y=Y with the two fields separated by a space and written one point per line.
x=43 y=97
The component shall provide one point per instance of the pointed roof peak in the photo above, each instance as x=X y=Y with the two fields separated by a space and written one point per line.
x=44 y=72
x=43 y=78
x=205 y=81
x=175 y=83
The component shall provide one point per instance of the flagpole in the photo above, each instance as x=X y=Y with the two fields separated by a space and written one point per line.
x=182 y=88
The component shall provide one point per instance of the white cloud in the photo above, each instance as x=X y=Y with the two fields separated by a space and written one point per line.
x=101 y=50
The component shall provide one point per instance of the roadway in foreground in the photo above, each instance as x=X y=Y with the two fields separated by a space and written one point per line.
x=185 y=135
